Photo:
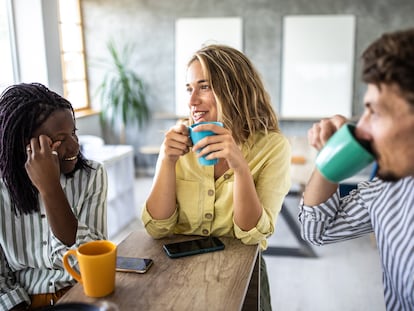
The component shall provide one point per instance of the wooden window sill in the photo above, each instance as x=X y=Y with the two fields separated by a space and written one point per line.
x=85 y=113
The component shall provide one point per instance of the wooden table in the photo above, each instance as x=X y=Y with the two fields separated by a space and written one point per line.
x=222 y=280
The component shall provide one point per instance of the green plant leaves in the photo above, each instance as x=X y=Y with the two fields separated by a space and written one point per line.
x=122 y=91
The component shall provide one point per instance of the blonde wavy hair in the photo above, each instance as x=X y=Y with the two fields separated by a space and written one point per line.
x=243 y=104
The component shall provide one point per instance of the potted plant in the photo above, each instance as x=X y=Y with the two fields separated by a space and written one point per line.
x=122 y=92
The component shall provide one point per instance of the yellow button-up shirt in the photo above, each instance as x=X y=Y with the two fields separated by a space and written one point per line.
x=205 y=206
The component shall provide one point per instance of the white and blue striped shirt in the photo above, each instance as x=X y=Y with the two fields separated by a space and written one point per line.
x=387 y=208
x=30 y=255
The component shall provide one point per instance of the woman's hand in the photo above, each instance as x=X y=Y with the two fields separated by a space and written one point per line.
x=320 y=132
x=176 y=143
x=221 y=145
x=43 y=168
x=42 y=164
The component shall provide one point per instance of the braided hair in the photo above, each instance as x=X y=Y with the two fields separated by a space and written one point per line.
x=23 y=109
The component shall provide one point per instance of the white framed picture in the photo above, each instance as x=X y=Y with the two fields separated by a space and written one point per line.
x=317 y=66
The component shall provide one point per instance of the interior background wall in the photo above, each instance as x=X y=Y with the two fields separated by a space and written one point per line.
x=149 y=25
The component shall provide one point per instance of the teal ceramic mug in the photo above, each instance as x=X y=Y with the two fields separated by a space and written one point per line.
x=197 y=136
x=343 y=155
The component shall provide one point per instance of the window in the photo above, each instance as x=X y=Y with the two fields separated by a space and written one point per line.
x=73 y=54
x=7 y=76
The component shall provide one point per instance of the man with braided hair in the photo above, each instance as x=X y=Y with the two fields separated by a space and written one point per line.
x=51 y=198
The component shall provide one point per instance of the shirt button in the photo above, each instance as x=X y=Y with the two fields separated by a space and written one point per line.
x=44 y=242
x=226 y=176
x=43 y=216
x=205 y=231
x=208 y=215
x=210 y=192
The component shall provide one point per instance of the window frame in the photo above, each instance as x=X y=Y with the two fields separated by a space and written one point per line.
x=12 y=45
x=82 y=79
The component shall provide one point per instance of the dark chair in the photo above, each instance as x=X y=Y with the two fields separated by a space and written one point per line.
x=304 y=249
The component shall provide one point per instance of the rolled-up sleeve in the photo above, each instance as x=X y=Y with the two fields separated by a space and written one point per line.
x=337 y=219
x=11 y=292
x=256 y=235
x=271 y=173
x=158 y=228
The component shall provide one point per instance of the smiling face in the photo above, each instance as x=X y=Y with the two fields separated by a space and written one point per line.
x=60 y=126
x=201 y=100
x=388 y=124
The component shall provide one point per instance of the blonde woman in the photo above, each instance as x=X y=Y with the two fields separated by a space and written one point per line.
x=242 y=194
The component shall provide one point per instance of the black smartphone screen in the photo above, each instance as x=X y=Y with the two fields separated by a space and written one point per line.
x=193 y=247
x=133 y=264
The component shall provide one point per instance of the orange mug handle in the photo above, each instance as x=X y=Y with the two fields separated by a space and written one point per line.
x=67 y=266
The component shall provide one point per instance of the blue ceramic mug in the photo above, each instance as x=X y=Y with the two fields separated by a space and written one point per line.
x=197 y=136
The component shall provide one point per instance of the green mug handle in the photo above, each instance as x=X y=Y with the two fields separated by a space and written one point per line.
x=67 y=266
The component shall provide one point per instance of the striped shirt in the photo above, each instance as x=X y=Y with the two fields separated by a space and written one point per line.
x=387 y=208
x=30 y=255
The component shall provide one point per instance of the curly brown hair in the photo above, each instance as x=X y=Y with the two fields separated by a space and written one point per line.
x=390 y=60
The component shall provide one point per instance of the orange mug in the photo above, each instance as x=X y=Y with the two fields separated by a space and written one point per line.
x=97 y=261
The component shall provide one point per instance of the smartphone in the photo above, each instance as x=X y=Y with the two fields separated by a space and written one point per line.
x=193 y=247
x=133 y=264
